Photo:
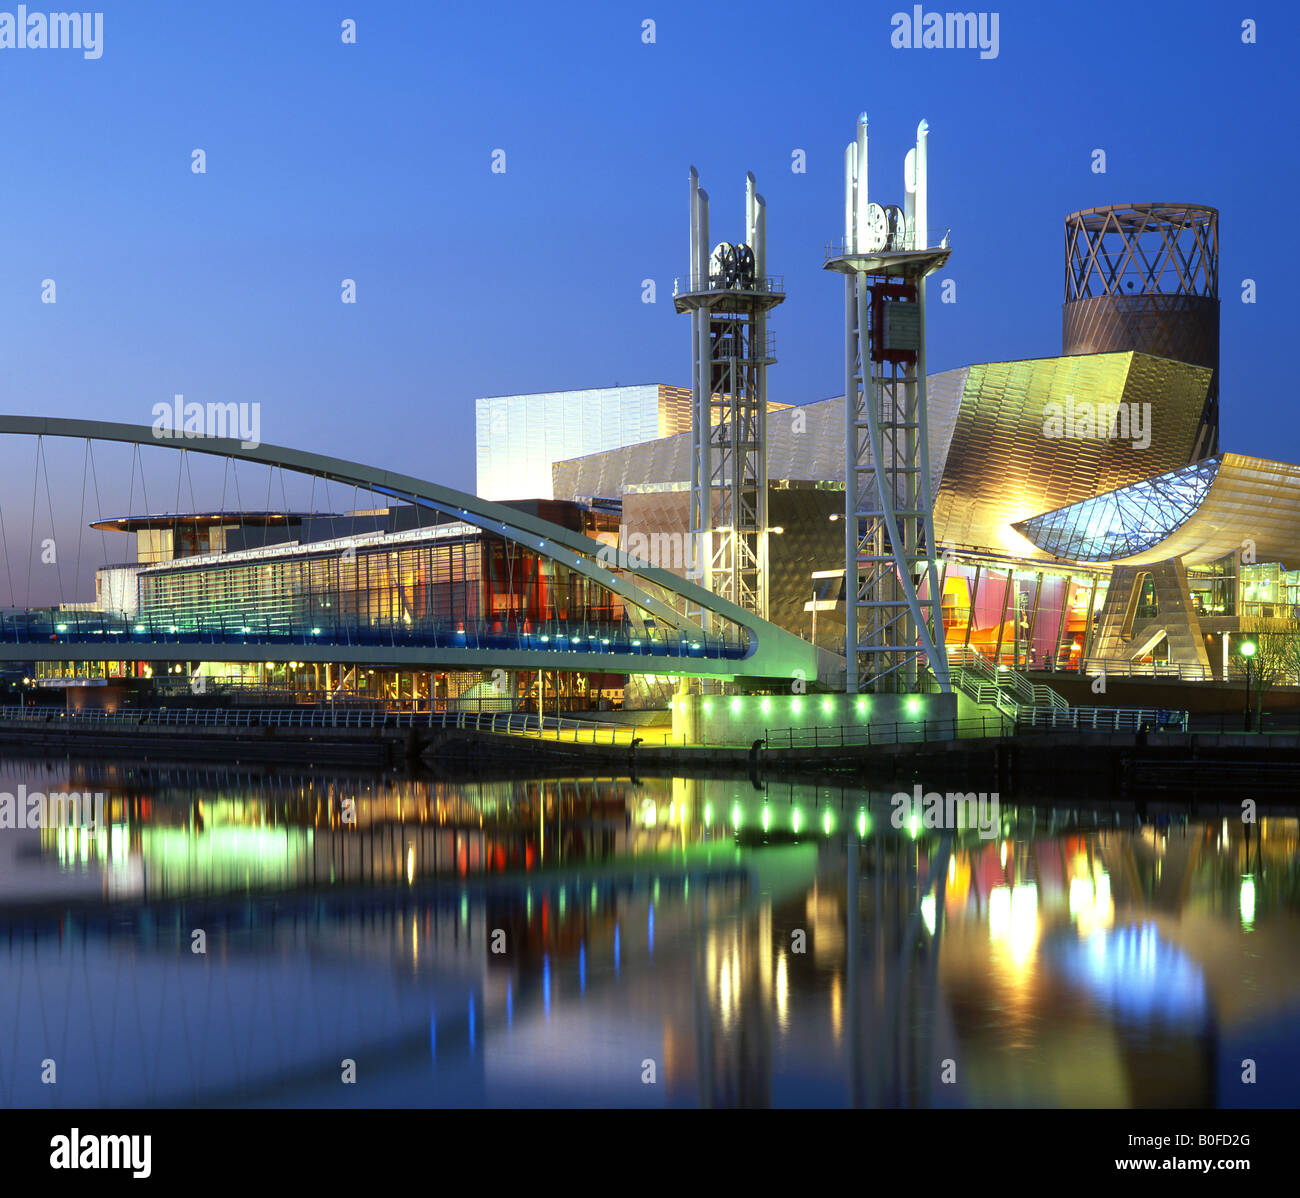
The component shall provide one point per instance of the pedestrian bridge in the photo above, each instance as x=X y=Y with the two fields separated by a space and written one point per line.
x=674 y=626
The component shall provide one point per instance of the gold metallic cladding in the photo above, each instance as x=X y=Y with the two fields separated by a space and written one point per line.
x=810 y=541
x=1001 y=468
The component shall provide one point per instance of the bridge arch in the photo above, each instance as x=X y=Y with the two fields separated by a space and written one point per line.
x=773 y=652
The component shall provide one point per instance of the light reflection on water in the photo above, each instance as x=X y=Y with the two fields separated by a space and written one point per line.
x=663 y=942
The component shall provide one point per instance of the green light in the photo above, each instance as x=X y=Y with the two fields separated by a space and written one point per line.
x=708 y=814
x=767 y=817
x=796 y=820
x=735 y=816
x=826 y=823
x=827 y=706
x=796 y=705
x=913 y=706
x=767 y=706
x=862 y=825
x=861 y=706
x=735 y=705
x=708 y=706
x=914 y=826
x=1246 y=901
x=1247 y=649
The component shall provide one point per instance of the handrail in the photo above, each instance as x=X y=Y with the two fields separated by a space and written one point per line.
x=35 y=626
x=513 y=723
x=1099 y=719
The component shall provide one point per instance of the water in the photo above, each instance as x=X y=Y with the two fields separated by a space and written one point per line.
x=665 y=942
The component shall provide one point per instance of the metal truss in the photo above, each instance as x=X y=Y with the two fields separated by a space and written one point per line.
x=894 y=625
x=728 y=296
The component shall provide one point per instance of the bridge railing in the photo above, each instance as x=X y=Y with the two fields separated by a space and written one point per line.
x=1028 y=719
x=350 y=717
x=613 y=638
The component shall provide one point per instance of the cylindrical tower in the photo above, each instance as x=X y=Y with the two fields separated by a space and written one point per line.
x=1146 y=277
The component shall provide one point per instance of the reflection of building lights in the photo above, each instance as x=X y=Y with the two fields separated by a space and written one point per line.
x=782 y=991
x=863 y=824
x=826 y=822
x=927 y=912
x=1135 y=972
x=767 y=818
x=837 y=1007
x=1004 y=854
x=708 y=814
x=796 y=819
x=735 y=816
x=1013 y=919
x=724 y=994
x=1246 y=902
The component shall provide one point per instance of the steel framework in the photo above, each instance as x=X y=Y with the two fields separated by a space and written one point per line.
x=892 y=625
x=1146 y=277
x=728 y=295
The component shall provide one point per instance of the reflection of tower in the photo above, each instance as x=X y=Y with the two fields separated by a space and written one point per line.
x=728 y=295
x=1146 y=277
x=892 y=622
x=734 y=1011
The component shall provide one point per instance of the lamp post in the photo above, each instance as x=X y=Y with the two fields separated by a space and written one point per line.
x=1247 y=651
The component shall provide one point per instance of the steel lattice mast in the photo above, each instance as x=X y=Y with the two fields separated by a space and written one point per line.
x=728 y=295
x=893 y=625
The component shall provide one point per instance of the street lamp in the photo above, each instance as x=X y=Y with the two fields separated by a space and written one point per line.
x=1247 y=651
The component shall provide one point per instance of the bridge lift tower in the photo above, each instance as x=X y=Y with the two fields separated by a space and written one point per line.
x=893 y=625
x=728 y=295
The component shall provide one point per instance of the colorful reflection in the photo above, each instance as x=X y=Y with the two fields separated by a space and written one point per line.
x=762 y=945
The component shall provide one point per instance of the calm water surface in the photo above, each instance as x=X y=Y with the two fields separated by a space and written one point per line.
x=662 y=942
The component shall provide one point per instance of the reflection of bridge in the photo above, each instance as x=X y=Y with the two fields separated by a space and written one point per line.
x=661 y=640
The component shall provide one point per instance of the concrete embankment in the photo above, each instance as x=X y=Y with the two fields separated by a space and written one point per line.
x=1110 y=763
x=379 y=747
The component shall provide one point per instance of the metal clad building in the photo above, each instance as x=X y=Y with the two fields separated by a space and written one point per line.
x=518 y=437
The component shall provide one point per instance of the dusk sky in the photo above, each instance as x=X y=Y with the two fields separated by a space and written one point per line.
x=372 y=162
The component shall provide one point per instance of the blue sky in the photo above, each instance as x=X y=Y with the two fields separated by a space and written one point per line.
x=372 y=161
